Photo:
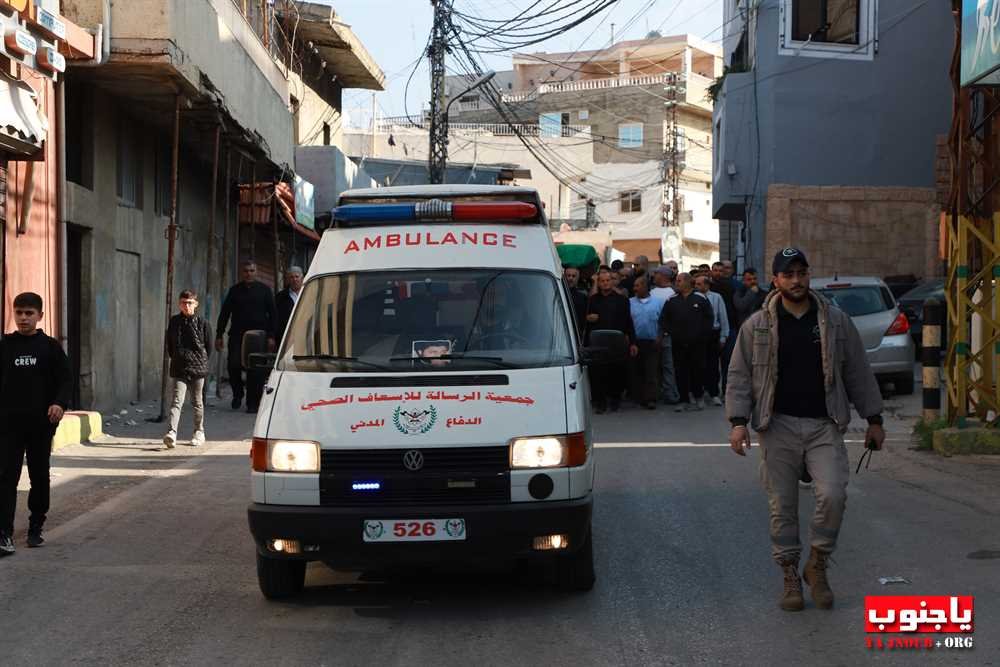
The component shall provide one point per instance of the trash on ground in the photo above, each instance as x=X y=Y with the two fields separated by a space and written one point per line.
x=885 y=581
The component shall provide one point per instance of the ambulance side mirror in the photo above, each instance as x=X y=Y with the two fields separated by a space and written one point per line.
x=606 y=347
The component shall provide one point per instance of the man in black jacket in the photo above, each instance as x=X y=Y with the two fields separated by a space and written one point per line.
x=578 y=298
x=286 y=299
x=609 y=310
x=687 y=318
x=189 y=346
x=251 y=305
x=34 y=393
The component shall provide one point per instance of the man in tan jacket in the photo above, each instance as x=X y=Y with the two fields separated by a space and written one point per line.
x=797 y=367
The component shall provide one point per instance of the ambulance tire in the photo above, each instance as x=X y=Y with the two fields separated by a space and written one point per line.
x=576 y=570
x=280 y=578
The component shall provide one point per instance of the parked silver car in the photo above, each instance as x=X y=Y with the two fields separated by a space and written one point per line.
x=883 y=327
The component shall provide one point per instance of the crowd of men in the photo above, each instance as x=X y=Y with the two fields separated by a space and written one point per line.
x=680 y=329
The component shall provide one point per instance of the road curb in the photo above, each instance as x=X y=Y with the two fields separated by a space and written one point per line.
x=77 y=427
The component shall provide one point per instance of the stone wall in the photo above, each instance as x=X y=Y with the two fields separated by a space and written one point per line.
x=856 y=230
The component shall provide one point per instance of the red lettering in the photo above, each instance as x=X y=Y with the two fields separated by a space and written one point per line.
x=449 y=238
x=392 y=240
x=470 y=238
x=508 y=241
x=428 y=240
x=413 y=241
x=352 y=247
x=373 y=243
x=489 y=238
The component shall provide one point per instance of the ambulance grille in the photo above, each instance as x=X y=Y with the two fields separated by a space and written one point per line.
x=449 y=476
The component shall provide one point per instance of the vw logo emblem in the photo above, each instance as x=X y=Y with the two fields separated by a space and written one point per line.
x=413 y=460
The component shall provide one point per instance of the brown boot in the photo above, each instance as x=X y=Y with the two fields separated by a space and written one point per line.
x=815 y=575
x=791 y=599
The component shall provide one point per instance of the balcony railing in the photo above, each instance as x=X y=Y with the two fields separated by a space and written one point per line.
x=395 y=124
x=696 y=84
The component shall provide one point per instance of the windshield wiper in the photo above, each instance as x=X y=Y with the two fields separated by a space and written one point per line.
x=448 y=357
x=333 y=357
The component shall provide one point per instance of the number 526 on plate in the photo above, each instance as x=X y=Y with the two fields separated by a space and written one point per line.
x=413 y=530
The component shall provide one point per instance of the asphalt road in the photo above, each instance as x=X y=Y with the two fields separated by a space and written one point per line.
x=149 y=561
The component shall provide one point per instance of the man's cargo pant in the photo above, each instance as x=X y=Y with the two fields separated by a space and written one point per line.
x=787 y=445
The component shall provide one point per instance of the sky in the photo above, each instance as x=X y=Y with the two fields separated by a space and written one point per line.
x=395 y=32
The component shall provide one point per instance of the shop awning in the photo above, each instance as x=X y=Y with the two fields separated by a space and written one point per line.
x=255 y=208
x=22 y=127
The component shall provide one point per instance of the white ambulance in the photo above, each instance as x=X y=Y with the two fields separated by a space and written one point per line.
x=429 y=401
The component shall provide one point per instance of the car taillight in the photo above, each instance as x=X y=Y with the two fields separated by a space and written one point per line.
x=901 y=325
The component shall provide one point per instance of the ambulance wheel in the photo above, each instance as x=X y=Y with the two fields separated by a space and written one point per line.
x=280 y=578
x=576 y=570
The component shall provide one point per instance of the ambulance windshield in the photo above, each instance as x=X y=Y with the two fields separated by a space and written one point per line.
x=428 y=321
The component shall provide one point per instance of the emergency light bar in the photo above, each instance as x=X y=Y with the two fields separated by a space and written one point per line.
x=435 y=210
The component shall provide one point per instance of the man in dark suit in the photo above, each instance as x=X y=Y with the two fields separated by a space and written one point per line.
x=250 y=304
x=287 y=298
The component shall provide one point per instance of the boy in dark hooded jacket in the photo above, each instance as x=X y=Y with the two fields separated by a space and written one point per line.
x=189 y=346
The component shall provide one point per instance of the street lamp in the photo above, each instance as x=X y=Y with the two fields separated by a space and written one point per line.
x=439 y=139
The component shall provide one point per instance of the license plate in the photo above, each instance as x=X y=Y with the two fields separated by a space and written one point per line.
x=413 y=530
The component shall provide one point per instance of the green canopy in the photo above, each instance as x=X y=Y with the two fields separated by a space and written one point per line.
x=578 y=255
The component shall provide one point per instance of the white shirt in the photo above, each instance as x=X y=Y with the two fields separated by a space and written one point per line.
x=720 y=321
x=294 y=296
x=663 y=293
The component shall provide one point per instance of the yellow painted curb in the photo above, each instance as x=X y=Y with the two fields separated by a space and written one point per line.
x=77 y=427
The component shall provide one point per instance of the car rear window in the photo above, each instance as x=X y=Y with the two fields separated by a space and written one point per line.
x=858 y=301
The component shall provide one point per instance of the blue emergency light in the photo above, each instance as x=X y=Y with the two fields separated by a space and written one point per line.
x=366 y=486
x=435 y=210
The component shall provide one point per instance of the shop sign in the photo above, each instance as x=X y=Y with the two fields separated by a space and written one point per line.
x=980 y=42
x=20 y=41
x=49 y=58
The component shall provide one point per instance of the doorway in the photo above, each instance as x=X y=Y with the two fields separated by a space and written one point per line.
x=128 y=320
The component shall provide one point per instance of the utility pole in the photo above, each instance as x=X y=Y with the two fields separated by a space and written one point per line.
x=438 y=153
x=673 y=158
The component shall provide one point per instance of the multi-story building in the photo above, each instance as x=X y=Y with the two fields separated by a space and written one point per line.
x=622 y=97
x=198 y=102
x=827 y=126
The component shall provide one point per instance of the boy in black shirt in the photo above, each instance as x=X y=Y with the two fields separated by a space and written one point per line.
x=34 y=394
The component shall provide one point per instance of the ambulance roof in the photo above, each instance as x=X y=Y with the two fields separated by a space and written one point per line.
x=431 y=191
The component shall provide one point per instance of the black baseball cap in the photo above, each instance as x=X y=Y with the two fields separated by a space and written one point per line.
x=784 y=258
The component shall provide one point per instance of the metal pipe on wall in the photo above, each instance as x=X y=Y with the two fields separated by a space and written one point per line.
x=171 y=234
x=61 y=208
x=225 y=262
x=211 y=232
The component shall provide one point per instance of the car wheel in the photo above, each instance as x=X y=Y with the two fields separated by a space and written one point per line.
x=576 y=570
x=280 y=578
x=903 y=384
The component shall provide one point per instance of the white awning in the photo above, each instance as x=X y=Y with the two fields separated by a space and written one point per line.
x=22 y=127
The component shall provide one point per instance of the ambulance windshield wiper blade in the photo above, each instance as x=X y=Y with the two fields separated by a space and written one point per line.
x=333 y=357
x=470 y=357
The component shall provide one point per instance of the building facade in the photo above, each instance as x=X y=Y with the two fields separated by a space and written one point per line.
x=621 y=98
x=826 y=132
x=186 y=128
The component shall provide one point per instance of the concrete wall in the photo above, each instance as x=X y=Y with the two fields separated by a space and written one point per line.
x=207 y=37
x=314 y=111
x=331 y=172
x=824 y=121
x=856 y=230
x=112 y=228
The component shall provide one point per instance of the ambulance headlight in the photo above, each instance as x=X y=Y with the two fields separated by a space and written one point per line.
x=292 y=456
x=552 y=451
